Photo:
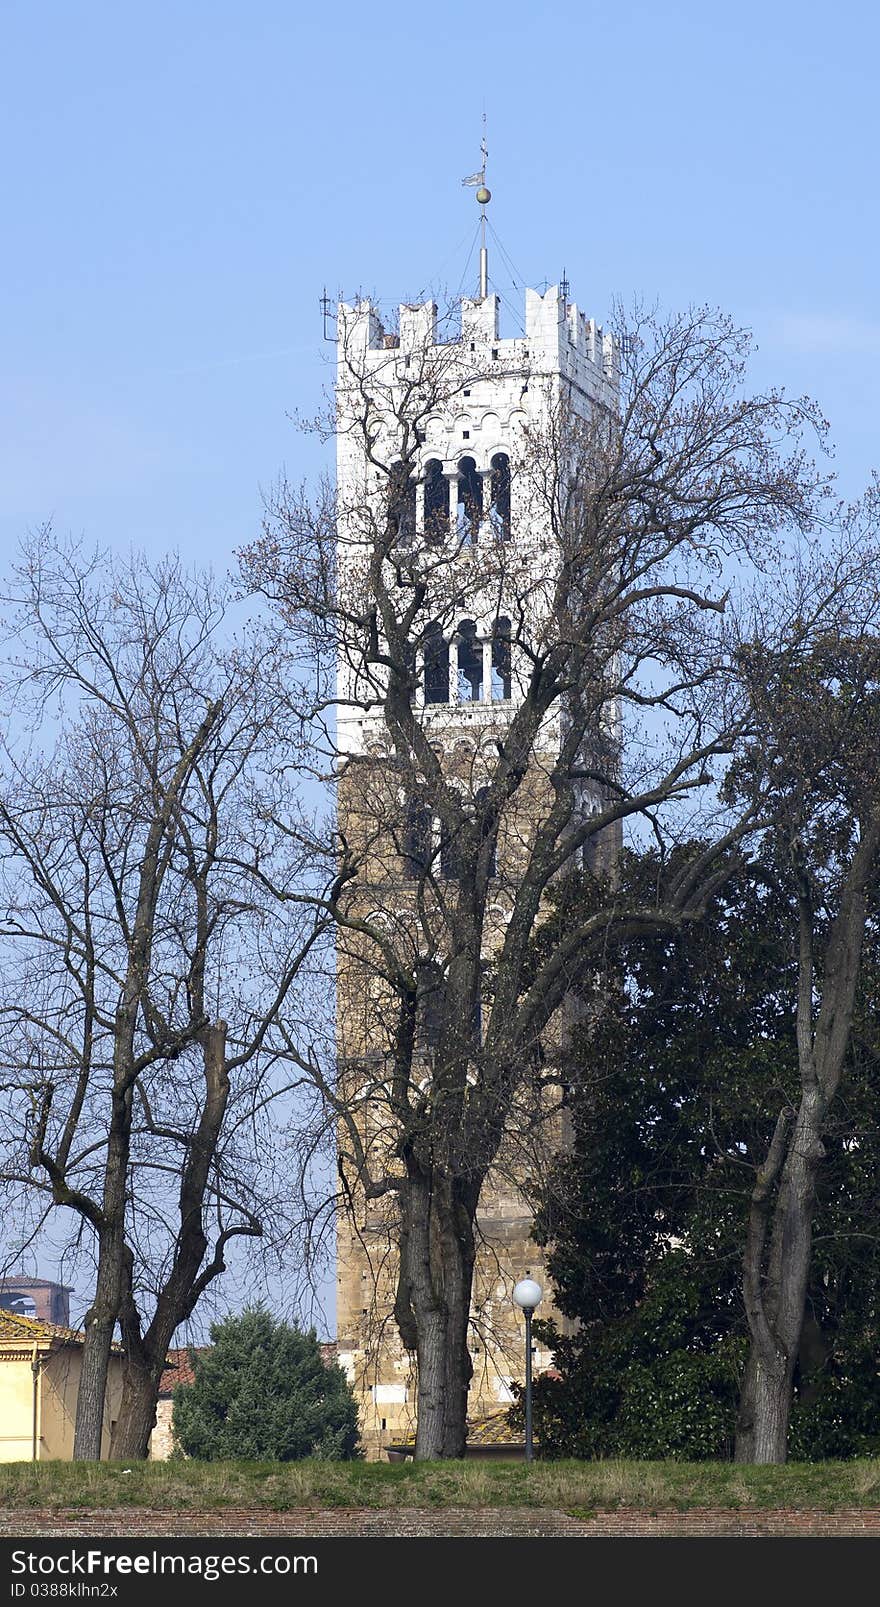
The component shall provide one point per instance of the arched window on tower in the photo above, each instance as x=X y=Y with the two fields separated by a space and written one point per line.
x=402 y=501
x=470 y=663
x=501 y=657
x=470 y=500
x=24 y=1305
x=499 y=507
x=436 y=666
x=436 y=502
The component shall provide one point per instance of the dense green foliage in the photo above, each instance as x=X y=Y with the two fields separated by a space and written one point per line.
x=263 y=1392
x=674 y=1094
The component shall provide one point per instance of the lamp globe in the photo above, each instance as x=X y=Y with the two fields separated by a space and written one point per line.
x=528 y=1294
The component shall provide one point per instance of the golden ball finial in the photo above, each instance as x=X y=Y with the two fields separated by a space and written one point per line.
x=484 y=196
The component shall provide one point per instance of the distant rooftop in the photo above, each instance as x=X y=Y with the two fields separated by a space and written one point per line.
x=490 y=1435
x=18 y=1330
x=26 y=1282
x=43 y=1298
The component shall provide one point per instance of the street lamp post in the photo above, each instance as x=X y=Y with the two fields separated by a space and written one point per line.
x=527 y=1295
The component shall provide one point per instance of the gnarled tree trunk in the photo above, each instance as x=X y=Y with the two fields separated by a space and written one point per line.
x=137 y=1415
x=776 y=1264
x=99 y=1325
x=775 y=1304
x=103 y=1313
x=146 y=1353
x=762 y=1422
x=433 y=1304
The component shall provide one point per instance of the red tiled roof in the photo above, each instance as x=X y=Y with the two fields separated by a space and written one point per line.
x=34 y=1283
x=16 y=1329
x=179 y=1368
x=492 y=1428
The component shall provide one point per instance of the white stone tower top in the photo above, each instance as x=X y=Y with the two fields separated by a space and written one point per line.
x=559 y=341
x=474 y=400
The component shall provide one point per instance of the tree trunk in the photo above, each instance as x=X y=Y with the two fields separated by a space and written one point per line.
x=137 y=1414
x=93 y=1387
x=437 y=1264
x=775 y=1301
x=764 y=1410
x=99 y=1325
x=775 y=1284
x=104 y=1312
x=146 y=1353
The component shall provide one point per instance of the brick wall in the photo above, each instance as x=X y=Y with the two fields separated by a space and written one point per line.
x=413 y=1521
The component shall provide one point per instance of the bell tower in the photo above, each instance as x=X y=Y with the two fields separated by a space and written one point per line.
x=464 y=502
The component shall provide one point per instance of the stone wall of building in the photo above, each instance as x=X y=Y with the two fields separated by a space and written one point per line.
x=162 y=1437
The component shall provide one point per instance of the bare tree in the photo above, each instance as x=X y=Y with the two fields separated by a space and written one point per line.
x=587 y=620
x=144 y=965
x=815 y=761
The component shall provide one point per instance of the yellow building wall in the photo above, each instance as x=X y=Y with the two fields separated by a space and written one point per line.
x=16 y=1411
x=60 y=1388
x=57 y=1391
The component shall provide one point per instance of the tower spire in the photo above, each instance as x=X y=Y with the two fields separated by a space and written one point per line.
x=484 y=196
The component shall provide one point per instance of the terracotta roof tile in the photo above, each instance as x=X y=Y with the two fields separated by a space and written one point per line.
x=179 y=1368
x=492 y=1428
x=16 y=1329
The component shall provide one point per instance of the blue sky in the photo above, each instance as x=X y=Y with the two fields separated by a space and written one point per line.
x=182 y=180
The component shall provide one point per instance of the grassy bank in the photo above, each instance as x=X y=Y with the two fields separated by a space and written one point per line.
x=570 y=1486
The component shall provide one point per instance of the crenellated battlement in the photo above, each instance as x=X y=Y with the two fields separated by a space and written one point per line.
x=558 y=337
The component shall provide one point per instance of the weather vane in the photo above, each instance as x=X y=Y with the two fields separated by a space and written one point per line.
x=484 y=196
